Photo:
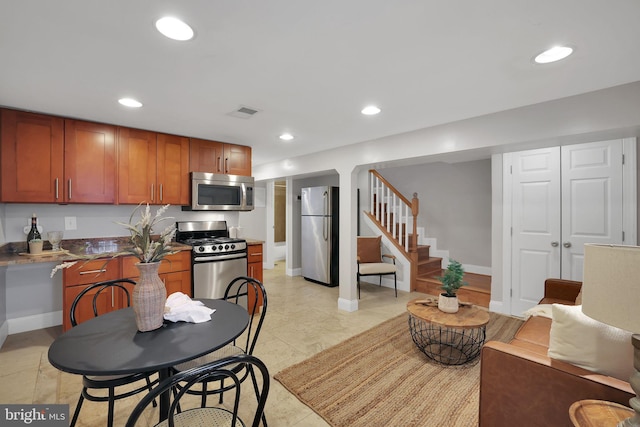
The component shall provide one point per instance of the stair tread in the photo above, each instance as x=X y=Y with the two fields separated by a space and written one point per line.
x=476 y=282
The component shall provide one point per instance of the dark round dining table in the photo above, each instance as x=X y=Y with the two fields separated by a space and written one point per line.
x=110 y=344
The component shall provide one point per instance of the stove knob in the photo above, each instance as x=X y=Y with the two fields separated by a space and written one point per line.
x=213 y=248
x=233 y=246
x=220 y=247
x=226 y=247
x=201 y=249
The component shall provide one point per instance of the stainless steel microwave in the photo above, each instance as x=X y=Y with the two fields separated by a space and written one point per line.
x=219 y=192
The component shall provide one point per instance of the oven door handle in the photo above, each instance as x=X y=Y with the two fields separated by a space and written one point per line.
x=218 y=258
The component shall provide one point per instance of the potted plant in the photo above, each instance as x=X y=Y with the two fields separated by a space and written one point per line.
x=451 y=281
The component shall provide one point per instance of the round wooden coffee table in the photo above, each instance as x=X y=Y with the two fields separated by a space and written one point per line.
x=447 y=338
x=593 y=413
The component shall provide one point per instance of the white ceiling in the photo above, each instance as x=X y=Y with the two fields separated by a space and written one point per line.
x=309 y=67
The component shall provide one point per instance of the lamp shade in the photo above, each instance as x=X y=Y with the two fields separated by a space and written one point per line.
x=611 y=285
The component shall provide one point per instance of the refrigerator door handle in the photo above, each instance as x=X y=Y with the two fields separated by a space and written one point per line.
x=325 y=228
x=325 y=221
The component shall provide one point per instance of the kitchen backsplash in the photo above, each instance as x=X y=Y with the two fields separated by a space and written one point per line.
x=91 y=220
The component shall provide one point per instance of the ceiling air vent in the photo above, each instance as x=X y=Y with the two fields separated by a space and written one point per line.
x=243 y=112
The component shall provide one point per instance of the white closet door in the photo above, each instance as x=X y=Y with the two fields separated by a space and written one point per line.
x=562 y=198
x=535 y=214
x=591 y=200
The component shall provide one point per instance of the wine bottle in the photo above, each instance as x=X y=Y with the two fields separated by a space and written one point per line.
x=33 y=233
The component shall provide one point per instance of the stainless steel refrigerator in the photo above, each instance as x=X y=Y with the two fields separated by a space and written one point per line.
x=320 y=235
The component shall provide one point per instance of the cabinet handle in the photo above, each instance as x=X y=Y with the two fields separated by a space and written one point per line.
x=226 y=165
x=113 y=302
x=57 y=189
x=554 y=244
x=69 y=188
x=161 y=197
x=256 y=254
x=219 y=164
x=153 y=190
x=567 y=244
x=102 y=270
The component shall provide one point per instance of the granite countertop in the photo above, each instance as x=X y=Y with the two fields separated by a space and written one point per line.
x=10 y=253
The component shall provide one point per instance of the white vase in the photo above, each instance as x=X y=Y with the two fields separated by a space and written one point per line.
x=448 y=304
x=149 y=297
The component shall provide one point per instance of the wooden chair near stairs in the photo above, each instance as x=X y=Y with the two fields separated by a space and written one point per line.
x=371 y=263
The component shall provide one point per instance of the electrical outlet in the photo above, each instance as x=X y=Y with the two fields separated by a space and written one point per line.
x=70 y=223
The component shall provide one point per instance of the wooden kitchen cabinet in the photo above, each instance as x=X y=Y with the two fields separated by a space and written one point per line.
x=219 y=157
x=89 y=162
x=136 y=165
x=173 y=182
x=47 y=159
x=254 y=266
x=31 y=153
x=76 y=278
x=152 y=168
x=237 y=160
x=174 y=270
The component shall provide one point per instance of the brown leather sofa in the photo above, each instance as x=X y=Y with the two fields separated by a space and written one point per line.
x=521 y=386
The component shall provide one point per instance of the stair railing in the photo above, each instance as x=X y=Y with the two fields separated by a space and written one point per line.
x=392 y=210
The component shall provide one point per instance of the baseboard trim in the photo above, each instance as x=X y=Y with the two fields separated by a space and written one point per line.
x=497 y=307
x=34 y=322
x=4 y=332
x=347 y=305
x=477 y=269
x=291 y=272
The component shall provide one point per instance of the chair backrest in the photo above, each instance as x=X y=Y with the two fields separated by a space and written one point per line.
x=100 y=286
x=369 y=249
x=220 y=369
x=246 y=291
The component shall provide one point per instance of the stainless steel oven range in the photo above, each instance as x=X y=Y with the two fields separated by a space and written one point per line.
x=216 y=258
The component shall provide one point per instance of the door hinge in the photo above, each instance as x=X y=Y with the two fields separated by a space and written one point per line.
x=511 y=293
x=511 y=169
x=623 y=236
x=511 y=231
x=623 y=159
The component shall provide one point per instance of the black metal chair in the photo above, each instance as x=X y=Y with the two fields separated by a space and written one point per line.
x=109 y=383
x=238 y=291
x=223 y=369
x=370 y=261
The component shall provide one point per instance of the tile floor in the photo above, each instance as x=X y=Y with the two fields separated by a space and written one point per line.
x=302 y=319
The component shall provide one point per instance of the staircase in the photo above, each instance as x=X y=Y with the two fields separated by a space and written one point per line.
x=396 y=217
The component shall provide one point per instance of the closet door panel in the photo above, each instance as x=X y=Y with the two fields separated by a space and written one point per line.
x=591 y=200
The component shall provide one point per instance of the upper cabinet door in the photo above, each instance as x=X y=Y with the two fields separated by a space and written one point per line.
x=237 y=160
x=31 y=157
x=218 y=157
x=172 y=170
x=136 y=166
x=206 y=156
x=90 y=162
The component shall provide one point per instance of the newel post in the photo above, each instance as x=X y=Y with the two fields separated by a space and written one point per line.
x=414 y=211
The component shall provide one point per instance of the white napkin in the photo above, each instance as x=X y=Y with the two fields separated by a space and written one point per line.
x=180 y=308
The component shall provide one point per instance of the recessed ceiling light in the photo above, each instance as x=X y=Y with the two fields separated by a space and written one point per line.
x=286 y=137
x=130 y=102
x=174 y=28
x=370 y=110
x=554 y=54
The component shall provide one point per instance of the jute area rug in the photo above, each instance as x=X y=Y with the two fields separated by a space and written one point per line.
x=380 y=378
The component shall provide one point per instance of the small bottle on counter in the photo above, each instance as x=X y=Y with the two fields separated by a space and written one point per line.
x=33 y=233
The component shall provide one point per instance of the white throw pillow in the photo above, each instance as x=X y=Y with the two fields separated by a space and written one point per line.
x=578 y=339
x=542 y=310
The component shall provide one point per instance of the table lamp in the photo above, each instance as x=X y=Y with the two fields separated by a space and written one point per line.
x=611 y=295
